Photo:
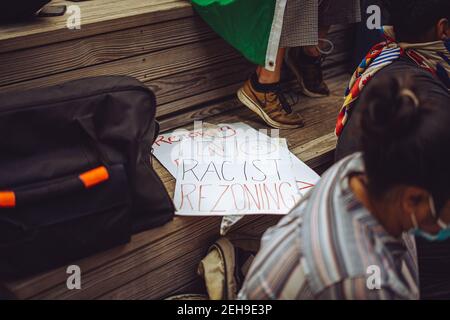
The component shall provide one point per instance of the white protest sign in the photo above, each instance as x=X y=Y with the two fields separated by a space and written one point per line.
x=237 y=177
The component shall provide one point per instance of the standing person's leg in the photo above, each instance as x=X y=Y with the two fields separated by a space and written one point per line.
x=339 y=12
x=302 y=34
x=307 y=66
x=306 y=62
x=316 y=51
x=265 y=76
x=262 y=94
x=301 y=28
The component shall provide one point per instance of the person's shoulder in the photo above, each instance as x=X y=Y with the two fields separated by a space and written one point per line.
x=327 y=187
x=422 y=78
x=332 y=183
x=403 y=64
x=342 y=168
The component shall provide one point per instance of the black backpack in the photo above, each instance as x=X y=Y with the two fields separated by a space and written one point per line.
x=19 y=9
x=76 y=171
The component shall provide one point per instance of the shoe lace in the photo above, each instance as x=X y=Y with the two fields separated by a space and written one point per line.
x=287 y=98
x=330 y=47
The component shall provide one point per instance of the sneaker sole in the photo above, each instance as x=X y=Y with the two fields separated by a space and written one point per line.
x=249 y=103
x=301 y=83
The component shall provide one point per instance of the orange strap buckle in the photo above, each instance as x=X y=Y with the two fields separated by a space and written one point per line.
x=94 y=177
x=7 y=199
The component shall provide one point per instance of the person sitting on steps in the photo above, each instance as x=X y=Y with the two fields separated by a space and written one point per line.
x=418 y=42
x=351 y=236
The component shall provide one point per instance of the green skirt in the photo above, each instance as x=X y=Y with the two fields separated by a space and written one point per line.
x=253 y=27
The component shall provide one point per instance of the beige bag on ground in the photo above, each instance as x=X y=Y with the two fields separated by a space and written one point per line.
x=226 y=264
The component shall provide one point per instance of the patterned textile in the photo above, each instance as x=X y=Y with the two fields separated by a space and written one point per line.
x=432 y=56
x=329 y=245
x=303 y=17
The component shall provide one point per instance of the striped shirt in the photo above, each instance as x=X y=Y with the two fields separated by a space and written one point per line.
x=331 y=247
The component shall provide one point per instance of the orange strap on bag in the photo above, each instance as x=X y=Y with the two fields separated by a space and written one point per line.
x=7 y=199
x=89 y=179
x=94 y=177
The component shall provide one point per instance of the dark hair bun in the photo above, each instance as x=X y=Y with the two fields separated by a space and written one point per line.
x=405 y=134
x=391 y=109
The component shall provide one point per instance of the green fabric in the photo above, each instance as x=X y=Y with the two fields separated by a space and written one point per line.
x=245 y=24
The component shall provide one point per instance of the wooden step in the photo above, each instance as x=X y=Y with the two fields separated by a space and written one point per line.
x=98 y=17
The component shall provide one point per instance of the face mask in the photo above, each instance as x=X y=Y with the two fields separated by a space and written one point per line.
x=442 y=235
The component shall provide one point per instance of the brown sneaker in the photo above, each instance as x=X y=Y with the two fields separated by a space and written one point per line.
x=308 y=71
x=271 y=105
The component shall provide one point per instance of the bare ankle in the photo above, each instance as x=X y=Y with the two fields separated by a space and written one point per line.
x=312 y=51
x=268 y=77
x=268 y=80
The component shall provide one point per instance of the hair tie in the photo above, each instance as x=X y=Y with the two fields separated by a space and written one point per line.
x=408 y=93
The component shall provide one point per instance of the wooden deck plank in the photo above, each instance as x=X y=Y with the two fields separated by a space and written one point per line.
x=99 y=16
x=207 y=71
x=64 y=56
x=183 y=90
x=69 y=60
x=145 y=67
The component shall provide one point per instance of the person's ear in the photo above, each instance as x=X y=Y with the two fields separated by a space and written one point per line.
x=414 y=202
x=443 y=29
